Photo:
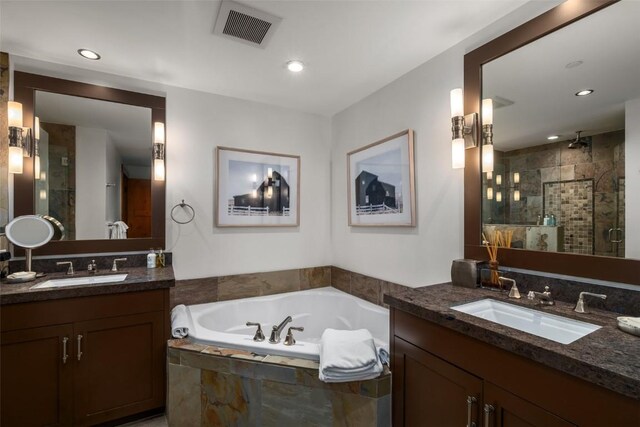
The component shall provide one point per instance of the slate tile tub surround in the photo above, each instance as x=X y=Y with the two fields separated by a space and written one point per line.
x=210 y=386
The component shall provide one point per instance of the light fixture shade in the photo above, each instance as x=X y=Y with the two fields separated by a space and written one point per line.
x=487 y=158
x=15 y=159
x=498 y=196
x=158 y=169
x=516 y=177
x=489 y=193
x=516 y=195
x=457 y=153
x=457 y=104
x=498 y=179
x=43 y=176
x=43 y=194
x=36 y=130
x=269 y=173
x=15 y=114
x=487 y=111
x=158 y=133
x=36 y=167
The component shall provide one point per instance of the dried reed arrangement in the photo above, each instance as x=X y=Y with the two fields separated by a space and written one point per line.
x=497 y=239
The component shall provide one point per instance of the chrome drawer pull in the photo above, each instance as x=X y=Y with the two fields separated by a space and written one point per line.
x=65 y=356
x=79 y=347
x=488 y=411
x=470 y=402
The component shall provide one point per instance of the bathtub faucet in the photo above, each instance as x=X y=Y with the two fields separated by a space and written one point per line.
x=277 y=330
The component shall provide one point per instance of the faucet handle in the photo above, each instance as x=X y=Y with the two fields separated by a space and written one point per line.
x=259 y=336
x=290 y=340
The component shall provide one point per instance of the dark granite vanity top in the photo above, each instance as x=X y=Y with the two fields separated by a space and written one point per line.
x=607 y=357
x=138 y=279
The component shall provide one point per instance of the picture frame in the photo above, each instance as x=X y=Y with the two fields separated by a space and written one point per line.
x=256 y=189
x=381 y=183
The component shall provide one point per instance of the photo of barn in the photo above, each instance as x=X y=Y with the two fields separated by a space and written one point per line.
x=270 y=198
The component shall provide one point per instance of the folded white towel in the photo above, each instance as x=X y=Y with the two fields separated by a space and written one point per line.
x=348 y=356
x=180 y=321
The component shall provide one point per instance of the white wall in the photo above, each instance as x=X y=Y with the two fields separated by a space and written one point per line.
x=632 y=179
x=90 y=183
x=409 y=256
x=198 y=122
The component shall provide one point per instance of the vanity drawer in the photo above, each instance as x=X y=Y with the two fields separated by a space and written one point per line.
x=54 y=312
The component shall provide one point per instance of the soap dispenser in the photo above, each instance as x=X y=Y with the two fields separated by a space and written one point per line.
x=151 y=259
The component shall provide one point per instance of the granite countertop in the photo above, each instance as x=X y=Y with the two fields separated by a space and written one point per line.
x=138 y=279
x=607 y=357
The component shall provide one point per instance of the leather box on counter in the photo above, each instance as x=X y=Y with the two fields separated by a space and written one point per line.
x=464 y=272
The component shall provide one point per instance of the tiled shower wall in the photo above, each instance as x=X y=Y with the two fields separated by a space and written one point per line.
x=602 y=162
x=572 y=202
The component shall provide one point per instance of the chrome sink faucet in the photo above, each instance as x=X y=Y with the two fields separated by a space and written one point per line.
x=581 y=307
x=70 y=271
x=114 y=267
x=544 y=298
x=277 y=330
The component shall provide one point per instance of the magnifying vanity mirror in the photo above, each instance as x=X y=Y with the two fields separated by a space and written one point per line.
x=28 y=232
x=566 y=102
x=92 y=171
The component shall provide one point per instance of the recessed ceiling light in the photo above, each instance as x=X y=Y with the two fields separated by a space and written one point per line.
x=552 y=137
x=584 y=92
x=89 y=54
x=295 y=66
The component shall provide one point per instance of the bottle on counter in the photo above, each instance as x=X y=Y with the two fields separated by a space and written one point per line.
x=151 y=259
x=160 y=261
x=546 y=220
x=553 y=220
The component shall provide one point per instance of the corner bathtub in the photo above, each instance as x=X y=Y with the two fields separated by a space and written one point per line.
x=223 y=323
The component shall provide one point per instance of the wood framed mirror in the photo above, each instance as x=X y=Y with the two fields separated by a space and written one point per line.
x=625 y=270
x=108 y=115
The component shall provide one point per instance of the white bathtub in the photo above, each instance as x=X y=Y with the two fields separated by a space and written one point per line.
x=223 y=323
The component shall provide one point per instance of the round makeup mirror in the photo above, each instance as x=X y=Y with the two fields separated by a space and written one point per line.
x=28 y=232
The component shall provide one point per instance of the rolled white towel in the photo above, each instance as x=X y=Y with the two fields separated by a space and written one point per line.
x=348 y=356
x=180 y=321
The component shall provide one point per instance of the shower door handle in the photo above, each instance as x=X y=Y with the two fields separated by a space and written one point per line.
x=619 y=235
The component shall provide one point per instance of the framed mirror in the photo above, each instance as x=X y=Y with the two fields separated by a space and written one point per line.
x=93 y=170
x=562 y=94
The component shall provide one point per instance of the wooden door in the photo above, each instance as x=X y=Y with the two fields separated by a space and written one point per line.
x=119 y=367
x=509 y=410
x=139 y=208
x=429 y=392
x=37 y=381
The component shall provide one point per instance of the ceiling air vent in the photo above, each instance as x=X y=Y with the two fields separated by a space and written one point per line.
x=245 y=24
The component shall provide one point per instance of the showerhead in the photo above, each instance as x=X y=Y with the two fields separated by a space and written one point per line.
x=579 y=142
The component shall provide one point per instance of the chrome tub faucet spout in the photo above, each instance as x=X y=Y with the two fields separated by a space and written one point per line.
x=277 y=330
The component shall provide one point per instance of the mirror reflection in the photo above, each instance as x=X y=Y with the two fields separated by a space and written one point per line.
x=566 y=146
x=93 y=170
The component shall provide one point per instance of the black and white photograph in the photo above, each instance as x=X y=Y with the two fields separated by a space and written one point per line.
x=256 y=188
x=381 y=183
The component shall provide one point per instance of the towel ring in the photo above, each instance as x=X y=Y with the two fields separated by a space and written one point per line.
x=183 y=205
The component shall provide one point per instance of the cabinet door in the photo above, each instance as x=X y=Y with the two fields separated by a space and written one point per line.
x=36 y=378
x=119 y=367
x=427 y=391
x=504 y=409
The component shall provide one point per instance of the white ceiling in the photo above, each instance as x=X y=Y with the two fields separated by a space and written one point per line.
x=543 y=90
x=128 y=126
x=350 y=48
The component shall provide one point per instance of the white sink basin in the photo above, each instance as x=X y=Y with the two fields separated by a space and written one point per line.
x=550 y=326
x=77 y=281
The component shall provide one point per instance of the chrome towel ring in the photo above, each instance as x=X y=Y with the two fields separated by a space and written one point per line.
x=184 y=206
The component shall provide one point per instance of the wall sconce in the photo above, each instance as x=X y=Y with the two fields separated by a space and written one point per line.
x=36 y=149
x=516 y=178
x=463 y=130
x=489 y=176
x=498 y=179
x=498 y=196
x=516 y=195
x=487 y=135
x=158 y=151
x=490 y=193
x=15 y=137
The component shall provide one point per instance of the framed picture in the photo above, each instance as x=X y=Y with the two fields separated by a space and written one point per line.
x=381 y=184
x=257 y=189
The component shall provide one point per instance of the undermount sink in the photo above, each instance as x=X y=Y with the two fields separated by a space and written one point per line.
x=550 y=326
x=77 y=281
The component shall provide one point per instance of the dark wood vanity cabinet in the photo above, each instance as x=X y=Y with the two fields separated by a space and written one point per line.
x=443 y=378
x=104 y=360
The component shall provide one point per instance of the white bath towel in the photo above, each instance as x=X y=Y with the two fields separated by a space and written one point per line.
x=119 y=230
x=180 y=321
x=348 y=356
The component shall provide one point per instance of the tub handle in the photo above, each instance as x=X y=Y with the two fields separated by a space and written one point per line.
x=290 y=340
x=259 y=336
